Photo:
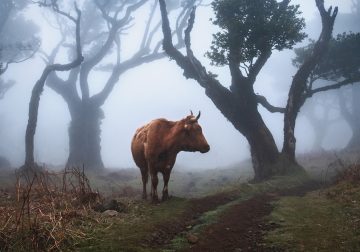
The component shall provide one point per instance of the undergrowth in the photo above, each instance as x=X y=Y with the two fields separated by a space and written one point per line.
x=46 y=210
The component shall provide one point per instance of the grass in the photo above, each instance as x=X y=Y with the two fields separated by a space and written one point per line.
x=327 y=220
x=240 y=192
x=183 y=183
x=318 y=222
x=129 y=231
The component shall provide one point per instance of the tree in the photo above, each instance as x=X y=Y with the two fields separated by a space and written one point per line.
x=350 y=110
x=321 y=111
x=18 y=38
x=104 y=32
x=250 y=31
x=39 y=86
x=339 y=67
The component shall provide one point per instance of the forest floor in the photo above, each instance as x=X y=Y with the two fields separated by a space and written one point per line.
x=298 y=212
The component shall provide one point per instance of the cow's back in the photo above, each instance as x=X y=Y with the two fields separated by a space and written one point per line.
x=148 y=140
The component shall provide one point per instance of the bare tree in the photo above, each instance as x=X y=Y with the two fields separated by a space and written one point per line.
x=104 y=30
x=38 y=89
x=239 y=103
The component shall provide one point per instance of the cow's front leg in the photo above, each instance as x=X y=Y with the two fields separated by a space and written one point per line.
x=154 y=183
x=165 y=194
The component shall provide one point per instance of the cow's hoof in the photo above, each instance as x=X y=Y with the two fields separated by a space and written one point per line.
x=165 y=197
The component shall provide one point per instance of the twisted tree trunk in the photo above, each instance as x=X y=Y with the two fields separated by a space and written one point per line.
x=296 y=97
x=84 y=137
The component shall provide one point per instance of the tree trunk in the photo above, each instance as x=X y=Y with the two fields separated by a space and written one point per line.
x=354 y=143
x=264 y=152
x=352 y=116
x=84 y=136
x=248 y=121
x=296 y=97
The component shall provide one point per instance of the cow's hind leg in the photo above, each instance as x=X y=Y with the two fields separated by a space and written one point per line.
x=154 y=183
x=165 y=194
x=144 y=176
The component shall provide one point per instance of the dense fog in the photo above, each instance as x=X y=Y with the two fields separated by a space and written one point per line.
x=159 y=89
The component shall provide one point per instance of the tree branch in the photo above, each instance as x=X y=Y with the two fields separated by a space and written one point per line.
x=353 y=80
x=101 y=97
x=258 y=65
x=147 y=36
x=262 y=100
x=37 y=91
x=90 y=63
x=192 y=67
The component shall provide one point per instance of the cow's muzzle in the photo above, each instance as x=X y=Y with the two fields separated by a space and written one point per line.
x=205 y=149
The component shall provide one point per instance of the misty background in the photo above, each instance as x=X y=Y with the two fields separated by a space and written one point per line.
x=154 y=90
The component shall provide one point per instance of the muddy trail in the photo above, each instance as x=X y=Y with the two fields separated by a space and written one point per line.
x=238 y=228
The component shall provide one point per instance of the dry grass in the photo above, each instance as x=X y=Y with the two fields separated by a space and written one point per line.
x=46 y=210
x=350 y=174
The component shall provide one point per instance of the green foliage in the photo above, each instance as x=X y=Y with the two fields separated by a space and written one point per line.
x=251 y=27
x=342 y=59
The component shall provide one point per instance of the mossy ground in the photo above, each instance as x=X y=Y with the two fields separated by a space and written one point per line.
x=130 y=231
x=323 y=220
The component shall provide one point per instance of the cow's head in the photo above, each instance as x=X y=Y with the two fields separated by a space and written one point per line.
x=192 y=138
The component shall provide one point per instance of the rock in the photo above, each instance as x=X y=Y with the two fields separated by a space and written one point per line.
x=192 y=239
x=110 y=213
x=115 y=205
x=99 y=208
x=110 y=205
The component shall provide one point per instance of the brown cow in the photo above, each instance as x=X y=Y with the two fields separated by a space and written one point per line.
x=154 y=148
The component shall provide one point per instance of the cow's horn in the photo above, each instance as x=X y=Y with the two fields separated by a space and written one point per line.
x=191 y=113
x=198 y=116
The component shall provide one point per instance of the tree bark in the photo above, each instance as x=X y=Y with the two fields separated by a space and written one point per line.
x=84 y=136
x=245 y=117
x=264 y=152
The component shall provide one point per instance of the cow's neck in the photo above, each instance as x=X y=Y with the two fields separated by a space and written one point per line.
x=173 y=139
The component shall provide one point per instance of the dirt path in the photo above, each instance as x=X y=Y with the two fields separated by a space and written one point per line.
x=239 y=228
x=165 y=232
